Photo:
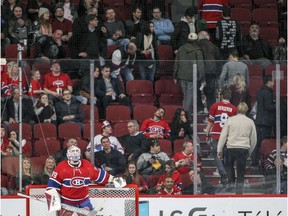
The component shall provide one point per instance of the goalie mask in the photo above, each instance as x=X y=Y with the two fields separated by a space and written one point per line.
x=73 y=154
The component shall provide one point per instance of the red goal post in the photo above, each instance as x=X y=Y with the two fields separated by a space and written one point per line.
x=113 y=201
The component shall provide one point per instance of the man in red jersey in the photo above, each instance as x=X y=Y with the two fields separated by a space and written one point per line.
x=169 y=188
x=156 y=127
x=218 y=115
x=71 y=179
x=56 y=81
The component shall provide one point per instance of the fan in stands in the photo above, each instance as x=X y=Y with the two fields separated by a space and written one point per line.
x=71 y=179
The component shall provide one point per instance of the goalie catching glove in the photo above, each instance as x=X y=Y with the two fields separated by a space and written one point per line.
x=116 y=182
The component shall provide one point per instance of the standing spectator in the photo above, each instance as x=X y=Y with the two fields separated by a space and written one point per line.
x=62 y=154
x=44 y=110
x=270 y=165
x=44 y=21
x=171 y=171
x=115 y=29
x=133 y=177
x=239 y=135
x=211 y=55
x=187 y=55
x=62 y=23
x=134 y=143
x=91 y=44
x=27 y=176
x=163 y=27
x=280 y=51
x=168 y=188
x=111 y=160
x=48 y=48
x=56 y=82
x=44 y=176
x=156 y=127
x=35 y=87
x=106 y=132
x=109 y=89
x=256 y=50
x=135 y=24
x=183 y=28
x=69 y=110
x=218 y=115
x=153 y=161
x=12 y=107
x=147 y=52
x=266 y=115
x=212 y=12
x=239 y=91
x=33 y=8
x=180 y=125
x=228 y=34
x=19 y=25
x=123 y=60
x=231 y=68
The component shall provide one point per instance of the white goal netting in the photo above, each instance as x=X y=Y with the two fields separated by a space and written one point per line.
x=110 y=201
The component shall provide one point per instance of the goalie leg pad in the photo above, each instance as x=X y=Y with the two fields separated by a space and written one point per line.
x=53 y=200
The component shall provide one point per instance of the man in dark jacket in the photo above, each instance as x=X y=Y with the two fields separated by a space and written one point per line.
x=187 y=55
x=183 y=28
x=110 y=159
x=255 y=49
x=266 y=115
x=68 y=110
x=108 y=89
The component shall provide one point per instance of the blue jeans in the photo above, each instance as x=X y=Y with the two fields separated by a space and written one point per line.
x=126 y=74
x=147 y=73
x=218 y=162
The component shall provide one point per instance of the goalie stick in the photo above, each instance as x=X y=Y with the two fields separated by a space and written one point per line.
x=64 y=206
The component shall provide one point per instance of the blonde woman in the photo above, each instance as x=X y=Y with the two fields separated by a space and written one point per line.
x=27 y=176
x=49 y=166
x=239 y=91
x=13 y=80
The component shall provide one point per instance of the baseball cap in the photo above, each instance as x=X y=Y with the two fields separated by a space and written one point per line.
x=54 y=62
x=105 y=124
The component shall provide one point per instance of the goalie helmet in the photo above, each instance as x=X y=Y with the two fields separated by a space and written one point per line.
x=73 y=154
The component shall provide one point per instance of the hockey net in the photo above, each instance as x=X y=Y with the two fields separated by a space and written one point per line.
x=111 y=201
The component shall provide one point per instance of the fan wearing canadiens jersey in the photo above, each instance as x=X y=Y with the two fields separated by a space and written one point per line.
x=71 y=179
x=156 y=127
x=218 y=115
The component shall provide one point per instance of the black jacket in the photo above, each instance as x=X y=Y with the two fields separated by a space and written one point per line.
x=64 y=109
x=114 y=160
x=266 y=107
x=46 y=46
x=27 y=110
x=247 y=47
x=101 y=87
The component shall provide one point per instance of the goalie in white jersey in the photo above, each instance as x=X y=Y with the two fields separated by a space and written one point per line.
x=71 y=180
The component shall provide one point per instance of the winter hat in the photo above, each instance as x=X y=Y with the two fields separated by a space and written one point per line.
x=42 y=10
x=192 y=37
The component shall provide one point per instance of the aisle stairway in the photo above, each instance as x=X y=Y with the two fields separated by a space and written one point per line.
x=254 y=178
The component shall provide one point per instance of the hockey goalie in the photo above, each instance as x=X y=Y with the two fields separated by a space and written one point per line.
x=68 y=186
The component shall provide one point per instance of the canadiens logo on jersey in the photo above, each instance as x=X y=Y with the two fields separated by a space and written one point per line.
x=77 y=182
x=58 y=83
